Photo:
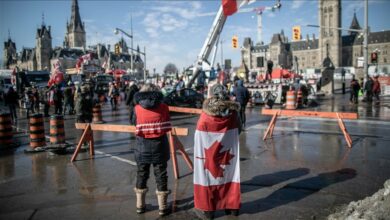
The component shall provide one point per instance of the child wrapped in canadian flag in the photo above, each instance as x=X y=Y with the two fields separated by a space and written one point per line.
x=216 y=155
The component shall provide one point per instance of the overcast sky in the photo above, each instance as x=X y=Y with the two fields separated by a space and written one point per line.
x=171 y=30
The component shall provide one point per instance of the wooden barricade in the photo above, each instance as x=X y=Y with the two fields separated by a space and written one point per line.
x=294 y=113
x=174 y=142
x=185 y=110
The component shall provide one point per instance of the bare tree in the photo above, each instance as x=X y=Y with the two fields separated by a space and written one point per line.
x=170 y=68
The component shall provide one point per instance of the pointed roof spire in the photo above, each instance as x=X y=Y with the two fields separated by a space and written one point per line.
x=9 y=34
x=354 y=24
x=43 y=19
x=75 y=20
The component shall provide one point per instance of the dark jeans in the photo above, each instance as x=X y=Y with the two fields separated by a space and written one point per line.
x=376 y=96
x=58 y=108
x=84 y=118
x=30 y=109
x=369 y=96
x=114 y=102
x=68 y=107
x=354 y=97
x=160 y=174
x=46 y=109
x=242 y=114
x=12 y=111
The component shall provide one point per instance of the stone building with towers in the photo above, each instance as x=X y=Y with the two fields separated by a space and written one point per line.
x=44 y=56
x=37 y=58
x=311 y=52
x=75 y=29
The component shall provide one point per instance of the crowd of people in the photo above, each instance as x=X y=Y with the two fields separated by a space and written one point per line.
x=371 y=89
x=219 y=125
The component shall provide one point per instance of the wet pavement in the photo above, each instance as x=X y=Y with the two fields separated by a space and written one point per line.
x=305 y=172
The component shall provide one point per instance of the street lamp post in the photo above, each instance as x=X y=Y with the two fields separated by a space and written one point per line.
x=365 y=46
x=221 y=41
x=116 y=31
x=144 y=63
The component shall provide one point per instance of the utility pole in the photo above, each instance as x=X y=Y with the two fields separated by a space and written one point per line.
x=221 y=41
x=132 y=36
x=144 y=64
x=365 y=42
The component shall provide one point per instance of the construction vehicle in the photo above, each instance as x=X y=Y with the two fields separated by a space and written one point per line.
x=211 y=42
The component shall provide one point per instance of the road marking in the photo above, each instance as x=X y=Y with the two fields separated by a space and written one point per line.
x=96 y=151
x=116 y=157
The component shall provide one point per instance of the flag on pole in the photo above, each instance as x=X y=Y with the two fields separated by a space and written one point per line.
x=86 y=57
x=231 y=6
x=216 y=160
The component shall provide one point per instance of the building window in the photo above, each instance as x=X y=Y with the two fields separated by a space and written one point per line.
x=384 y=60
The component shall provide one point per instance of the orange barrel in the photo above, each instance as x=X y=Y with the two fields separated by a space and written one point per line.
x=57 y=131
x=6 y=132
x=97 y=114
x=290 y=100
x=299 y=99
x=37 y=131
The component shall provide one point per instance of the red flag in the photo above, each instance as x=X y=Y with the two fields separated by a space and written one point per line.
x=216 y=160
x=229 y=7
x=86 y=57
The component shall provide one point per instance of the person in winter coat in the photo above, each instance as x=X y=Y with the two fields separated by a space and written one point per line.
x=113 y=93
x=58 y=98
x=29 y=101
x=201 y=80
x=68 y=99
x=355 y=88
x=368 y=89
x=11 y=99
x=152 y=148
x=45 y=97
x=36 y=99
x=84 y=105
x=216 y=156
x=376 y=89
x=133 y=89
x=242 y=96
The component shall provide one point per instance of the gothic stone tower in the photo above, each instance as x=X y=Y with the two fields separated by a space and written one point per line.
x=9 y=53
x=330 y=39
x=75 y=36
x=43 y=48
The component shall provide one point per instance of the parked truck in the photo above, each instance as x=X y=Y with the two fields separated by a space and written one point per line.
x=25 y=79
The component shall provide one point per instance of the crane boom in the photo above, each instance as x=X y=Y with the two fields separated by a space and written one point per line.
x=208 y=45
x=212 y=38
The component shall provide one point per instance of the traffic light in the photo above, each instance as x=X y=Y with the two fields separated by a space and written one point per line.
x=296 y=32
x=374 y=57
x=235 y=42
x=117 y=50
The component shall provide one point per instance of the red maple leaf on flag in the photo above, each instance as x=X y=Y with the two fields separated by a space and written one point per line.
x=214 y=159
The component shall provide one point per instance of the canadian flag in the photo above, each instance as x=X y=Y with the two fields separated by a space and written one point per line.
x=231 y=6
x=86 y=57
x=216 y=163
